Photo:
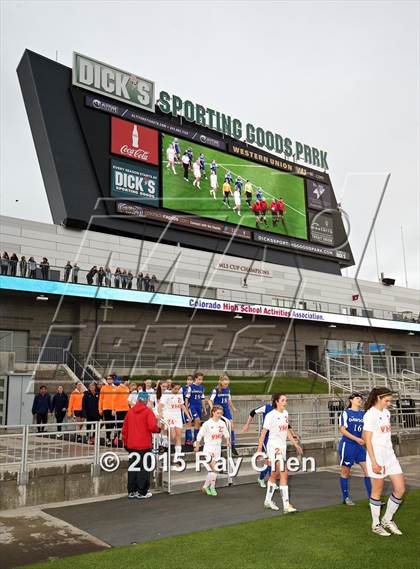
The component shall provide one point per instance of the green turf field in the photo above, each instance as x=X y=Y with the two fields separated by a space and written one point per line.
x=327 y=538
x=259 y=385
x=180 y=195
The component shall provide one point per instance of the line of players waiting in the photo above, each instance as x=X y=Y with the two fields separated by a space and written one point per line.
x=366 y=437
x=260 y=206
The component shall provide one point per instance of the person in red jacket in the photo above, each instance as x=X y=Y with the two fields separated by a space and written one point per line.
x=139 y=425
x=264 y=207
x=256 y=208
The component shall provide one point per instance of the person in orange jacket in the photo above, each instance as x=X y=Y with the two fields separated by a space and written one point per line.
x=106 y=407
x=75 y=407
x=120 y=403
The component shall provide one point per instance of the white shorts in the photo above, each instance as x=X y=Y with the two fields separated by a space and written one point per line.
x=386 y=458
x=237 y=202
x=276 y=451
x=174 y=420
x=197 y=174
x=213 y=188
x=213 y=452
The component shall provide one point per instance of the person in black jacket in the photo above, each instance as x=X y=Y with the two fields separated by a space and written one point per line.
x=90 y=409
x=41 y=407
x=59 y=405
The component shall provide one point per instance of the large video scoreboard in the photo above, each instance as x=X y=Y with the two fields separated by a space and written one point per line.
x=112 y=165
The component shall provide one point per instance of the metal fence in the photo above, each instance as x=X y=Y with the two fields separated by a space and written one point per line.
x=23 y=447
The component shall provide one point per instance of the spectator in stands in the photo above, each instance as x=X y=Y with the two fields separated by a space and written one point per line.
x=4 y=263
x=90 y=407
x=124 y=279
x=139 y=425
x=59 y=406
x=106 y=407
x=146 y=282
x=91 y=274
x=132 y=398
x=67 y=271
x=14 y=260
x=23 y=266
x=130 y=277
x=32 y=268
x=41 y=406
x=117 y=277
x=121 y=406
x=140 y=281
x=108 y=276
x=75 y=273
x=153 y=284
x=75 y=408
x=45 y=268
x=100 y=276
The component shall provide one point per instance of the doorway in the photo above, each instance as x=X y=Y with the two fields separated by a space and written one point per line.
x=312 y=358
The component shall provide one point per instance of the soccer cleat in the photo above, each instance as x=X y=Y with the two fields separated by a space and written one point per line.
x=207 y=490
x=379 y=530
x=213 y=491
x=132 y=495
x=289 y=509
x=391 y=527
x=271 y=505
x=144 y=496
x=261 y=483
x=348 y=502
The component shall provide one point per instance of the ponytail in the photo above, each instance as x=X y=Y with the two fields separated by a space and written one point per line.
x=221 y=380
x=375 y=394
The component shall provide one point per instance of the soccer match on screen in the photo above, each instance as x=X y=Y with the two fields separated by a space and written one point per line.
x=209 y=284
x=215 y=185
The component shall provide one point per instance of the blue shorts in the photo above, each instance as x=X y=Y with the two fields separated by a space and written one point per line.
x=185 y=418
x=227 y=413
x=350 y=453
x=196 y=412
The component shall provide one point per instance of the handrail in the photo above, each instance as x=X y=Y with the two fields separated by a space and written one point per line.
x=229 y=449
x=168 y=427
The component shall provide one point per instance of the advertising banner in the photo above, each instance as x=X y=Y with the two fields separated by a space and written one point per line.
x=321 y=228
x=318 y=195
x=131 y=140
x=136 y=181
x=115 y=83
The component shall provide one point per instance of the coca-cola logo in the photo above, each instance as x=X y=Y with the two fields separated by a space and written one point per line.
x=138 y=153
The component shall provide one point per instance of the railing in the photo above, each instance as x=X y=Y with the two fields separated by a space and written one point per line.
x=36 y=354
x=22 y=447
x=235 y=295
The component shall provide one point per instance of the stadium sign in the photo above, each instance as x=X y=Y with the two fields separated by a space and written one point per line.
x=106 y=80
x=101 y=78
x=137 y=181
x=191 y=302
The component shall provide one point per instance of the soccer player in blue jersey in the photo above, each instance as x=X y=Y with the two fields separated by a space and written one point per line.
x=259 y=194
x=351 y=448
x=196 y=401
x=186 y=419
x=177 y=149
x=213 y=167
x=238 y=184
x=202 y=160
x=221 y=396
x=228 y=177
x=190 y=156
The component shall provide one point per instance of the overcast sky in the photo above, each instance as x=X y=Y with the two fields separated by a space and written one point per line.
x=341 y=76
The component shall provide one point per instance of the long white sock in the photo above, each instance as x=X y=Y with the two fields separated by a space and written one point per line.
x=284 y=491
x=208 y=481
x=213 y=479
x=391 y=507
x=178 y=449
x=270 y=491
x=375 y=510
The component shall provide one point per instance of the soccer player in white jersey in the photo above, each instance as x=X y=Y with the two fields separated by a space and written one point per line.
x=381 y=460
x=170 y=155
x=237 y=199
x=213 y=184
x=170 y=408
x=276 y=424
x=212 y=432
x=197 y=174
